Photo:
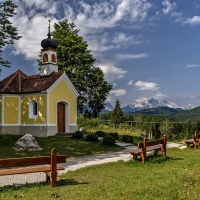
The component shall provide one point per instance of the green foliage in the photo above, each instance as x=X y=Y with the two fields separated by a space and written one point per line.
x=108 y=140
x=77 y=134
x=117 y=115
x=115 y=135
x=100 y=133
x=8 y=33
x=92 y=138
x=127 y=138
x=76 y=60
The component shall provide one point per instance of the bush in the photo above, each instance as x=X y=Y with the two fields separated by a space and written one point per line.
x=127 y=138
x=77 y=134
x=100 y=133
x=115 y=135
x=92 y=138
x=108 y=140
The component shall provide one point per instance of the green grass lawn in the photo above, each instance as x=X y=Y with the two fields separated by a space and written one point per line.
x=70 y=147
x=172 y=178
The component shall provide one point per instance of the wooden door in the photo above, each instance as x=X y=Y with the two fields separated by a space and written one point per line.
x=61 y=117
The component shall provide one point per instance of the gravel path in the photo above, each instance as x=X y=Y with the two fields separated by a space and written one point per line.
x=75 y=164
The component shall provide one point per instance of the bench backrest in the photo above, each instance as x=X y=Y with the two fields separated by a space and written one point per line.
x=152 y=143
x=28 y=161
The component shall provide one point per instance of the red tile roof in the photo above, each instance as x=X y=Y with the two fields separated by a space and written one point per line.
x=19 y=83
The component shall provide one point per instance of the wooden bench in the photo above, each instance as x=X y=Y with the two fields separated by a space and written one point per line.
x=143 y=147
x=195 y=139
x=50 y=166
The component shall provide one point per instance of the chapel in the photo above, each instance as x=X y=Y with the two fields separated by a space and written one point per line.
x=42 y=105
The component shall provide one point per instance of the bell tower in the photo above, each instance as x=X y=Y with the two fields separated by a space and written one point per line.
x=49 y=55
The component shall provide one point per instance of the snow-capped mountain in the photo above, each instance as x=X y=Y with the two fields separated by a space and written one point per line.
x=188 y=107
x=146 y=103
x=108 y=106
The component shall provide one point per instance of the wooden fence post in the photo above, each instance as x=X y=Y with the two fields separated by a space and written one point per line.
x=144 y=150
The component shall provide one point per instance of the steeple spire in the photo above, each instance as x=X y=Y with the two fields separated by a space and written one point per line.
x=49 y=34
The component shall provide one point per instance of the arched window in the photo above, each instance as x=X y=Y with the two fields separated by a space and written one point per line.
x=45 y=58
x=53 y=58
x=33 y=109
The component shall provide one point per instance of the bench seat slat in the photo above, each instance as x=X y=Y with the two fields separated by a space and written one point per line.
x=28 y=170
x=28 y=161
x=150 y=148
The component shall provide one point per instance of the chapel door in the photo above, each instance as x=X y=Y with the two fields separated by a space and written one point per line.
x=61 y=117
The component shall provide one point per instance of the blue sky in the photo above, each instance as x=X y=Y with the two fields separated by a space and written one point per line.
x=146 y=48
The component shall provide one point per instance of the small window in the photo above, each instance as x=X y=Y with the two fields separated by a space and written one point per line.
x=53 y=58
x=33 y=109
x=45 y=58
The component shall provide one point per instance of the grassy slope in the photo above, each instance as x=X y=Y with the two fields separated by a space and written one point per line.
x=176 y=177
x=70 y=147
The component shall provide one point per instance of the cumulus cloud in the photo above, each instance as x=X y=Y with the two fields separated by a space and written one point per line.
x=111 y=72
x=192 y=65
x=192 y=21
x=92 y=20
x=118 y=92
x=131 y=56
x=159 y=96
x=140 y=85
x=130 y=82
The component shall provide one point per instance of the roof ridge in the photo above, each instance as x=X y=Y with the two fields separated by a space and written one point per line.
x=8 y=83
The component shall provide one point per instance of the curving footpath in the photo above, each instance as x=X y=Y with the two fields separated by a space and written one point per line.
x=75 y=164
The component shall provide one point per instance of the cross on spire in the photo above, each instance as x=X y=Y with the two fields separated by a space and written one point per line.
x=18 y=66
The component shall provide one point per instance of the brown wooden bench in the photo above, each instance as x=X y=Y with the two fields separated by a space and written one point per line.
x=50 y=166
x=143 y=147
x=195 y=139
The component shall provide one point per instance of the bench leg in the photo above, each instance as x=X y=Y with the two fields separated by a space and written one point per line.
x=47 y=177
x=134 y=157
x=155 y=152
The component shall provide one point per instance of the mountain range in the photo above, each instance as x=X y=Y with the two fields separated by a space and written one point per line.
x=147 y=103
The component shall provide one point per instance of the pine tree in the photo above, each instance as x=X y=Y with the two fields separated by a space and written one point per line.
x=8 y=33
x=117 y=115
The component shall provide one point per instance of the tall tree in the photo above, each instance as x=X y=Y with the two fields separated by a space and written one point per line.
x=8 y=33
x=117 y=115
x=76 y=60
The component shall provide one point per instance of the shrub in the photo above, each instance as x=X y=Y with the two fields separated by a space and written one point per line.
x=77 y=134
x=115 y=135
x=100 y=133
x=127 y=138
x=108 y=140
x=92 y=138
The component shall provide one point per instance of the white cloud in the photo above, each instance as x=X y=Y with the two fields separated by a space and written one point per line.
x=130 y=82
x=146 y=85
x=131 y=56
x=159 y=96
x=111 y=72
x=114 y=85
x=192 y=65
x=118 y=92
x=170 y=8
x=193 y=97
x=92 y=19
x=193 y=21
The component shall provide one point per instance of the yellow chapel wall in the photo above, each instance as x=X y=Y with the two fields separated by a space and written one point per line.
x=41 y=101
x=11 y=110
x=59 y=93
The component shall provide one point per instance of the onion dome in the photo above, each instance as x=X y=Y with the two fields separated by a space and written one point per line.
x=49 y=42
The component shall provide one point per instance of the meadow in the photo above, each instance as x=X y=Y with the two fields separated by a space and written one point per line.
x=175 y=176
